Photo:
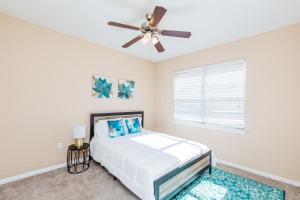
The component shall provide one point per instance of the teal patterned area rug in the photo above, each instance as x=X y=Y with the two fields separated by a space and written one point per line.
x=224 y=185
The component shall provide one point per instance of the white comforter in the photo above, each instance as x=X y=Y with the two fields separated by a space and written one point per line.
x=138 y=160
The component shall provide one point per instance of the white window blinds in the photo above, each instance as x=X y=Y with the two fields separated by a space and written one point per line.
x=212 y=95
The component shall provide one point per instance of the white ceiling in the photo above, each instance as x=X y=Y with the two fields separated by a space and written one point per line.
x=212 y=22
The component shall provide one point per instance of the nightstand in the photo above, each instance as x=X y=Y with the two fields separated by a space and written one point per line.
x=78 y=159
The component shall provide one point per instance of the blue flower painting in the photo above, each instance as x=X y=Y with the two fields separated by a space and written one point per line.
x=102 y=87
x=126 y=88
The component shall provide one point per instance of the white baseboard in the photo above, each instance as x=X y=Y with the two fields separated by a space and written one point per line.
x=260 y=173
x=254 y=171
x=32 y=173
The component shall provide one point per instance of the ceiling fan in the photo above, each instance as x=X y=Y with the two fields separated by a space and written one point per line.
x=150 y=31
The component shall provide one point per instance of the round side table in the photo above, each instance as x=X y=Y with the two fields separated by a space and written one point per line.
x=78 y=159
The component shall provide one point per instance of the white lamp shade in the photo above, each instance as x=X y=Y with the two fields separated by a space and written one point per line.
x=79 y=131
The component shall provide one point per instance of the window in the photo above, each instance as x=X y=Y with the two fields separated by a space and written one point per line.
x=212 y=96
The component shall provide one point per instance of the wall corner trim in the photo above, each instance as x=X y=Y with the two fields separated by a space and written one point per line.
x=261 y=173
x=31 y=173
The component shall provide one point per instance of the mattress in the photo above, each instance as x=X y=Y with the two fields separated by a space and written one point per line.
x=137 y=160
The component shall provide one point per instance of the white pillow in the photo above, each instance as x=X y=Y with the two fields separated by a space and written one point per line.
x=101 y=129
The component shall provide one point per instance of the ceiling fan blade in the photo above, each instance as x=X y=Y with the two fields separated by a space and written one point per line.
x=157 y=15
x=182 y=34
x=123 y=25
x=134 y=40
x=159 y=47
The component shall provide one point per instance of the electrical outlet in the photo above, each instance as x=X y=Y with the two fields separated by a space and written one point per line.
x=59 y=145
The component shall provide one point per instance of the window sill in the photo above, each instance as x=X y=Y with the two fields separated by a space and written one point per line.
x=196 y=124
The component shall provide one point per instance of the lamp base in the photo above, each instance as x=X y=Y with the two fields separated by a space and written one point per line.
x=78 y=142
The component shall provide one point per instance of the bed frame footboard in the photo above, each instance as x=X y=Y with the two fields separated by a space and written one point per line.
x=170 y=184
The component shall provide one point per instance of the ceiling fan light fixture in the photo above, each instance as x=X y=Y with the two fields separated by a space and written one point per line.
x=154 y=40
x=147 y=37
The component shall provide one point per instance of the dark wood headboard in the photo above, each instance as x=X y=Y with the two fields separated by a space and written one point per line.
x=94 y=117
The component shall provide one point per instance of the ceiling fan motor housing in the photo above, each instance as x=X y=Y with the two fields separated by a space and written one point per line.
x=145 y=27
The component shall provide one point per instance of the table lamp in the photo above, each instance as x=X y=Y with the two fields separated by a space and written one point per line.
x=79 y=132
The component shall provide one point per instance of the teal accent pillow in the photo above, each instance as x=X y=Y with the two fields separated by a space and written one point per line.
x=133 y=125
x=115 y=128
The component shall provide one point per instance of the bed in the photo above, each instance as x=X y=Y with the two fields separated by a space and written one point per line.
x=152 y=165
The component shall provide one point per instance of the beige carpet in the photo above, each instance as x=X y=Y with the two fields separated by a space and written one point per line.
x=95 y=184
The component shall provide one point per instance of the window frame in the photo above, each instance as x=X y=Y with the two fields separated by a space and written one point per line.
x=208 y=125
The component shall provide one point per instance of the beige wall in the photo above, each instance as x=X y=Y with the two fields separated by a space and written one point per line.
x=45 y=84
x=272 y=143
